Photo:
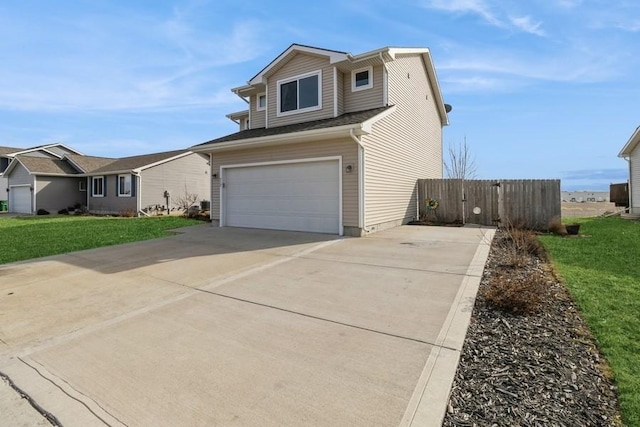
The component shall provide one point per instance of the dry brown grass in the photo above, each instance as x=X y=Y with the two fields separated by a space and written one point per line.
x=519 y=295
x=557 y=227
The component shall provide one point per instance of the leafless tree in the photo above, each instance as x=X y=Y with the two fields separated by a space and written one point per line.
x=186 y=200
x=461 y=163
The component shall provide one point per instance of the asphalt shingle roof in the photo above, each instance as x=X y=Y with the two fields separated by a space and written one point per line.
x=90 y=163
x=343 y=120
x=134 y=162
x=8 y=150
x=42 y=165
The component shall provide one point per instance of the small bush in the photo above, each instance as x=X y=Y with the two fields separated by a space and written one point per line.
x=43 y=212
x=127 y=213
x=63 y=212
x=557 y=227
x=519 y=245
x=522 y=295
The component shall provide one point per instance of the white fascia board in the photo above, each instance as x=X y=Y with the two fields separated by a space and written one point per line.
x=367 y=126
x=631 y=144
x=74 y=164
x=150 y=165
x=237 y=115
x=433 y=78
x=288 y=138
x=12 y=166
x=333 y=58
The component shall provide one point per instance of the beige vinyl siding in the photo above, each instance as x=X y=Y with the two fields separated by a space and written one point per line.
x=257 y=117
x=39 y=154
x=4 y=184
x=634 y=179
x=54 y=193
x=404 y=146
x=191 y=171
x=111 y=203
x=345 y=148
x=20 y=176
x=367 y=98
x=301 y=64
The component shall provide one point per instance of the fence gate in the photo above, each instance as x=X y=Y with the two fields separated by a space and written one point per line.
x=480 y=203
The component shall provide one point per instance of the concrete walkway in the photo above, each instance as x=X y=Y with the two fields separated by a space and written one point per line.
x=245 y=327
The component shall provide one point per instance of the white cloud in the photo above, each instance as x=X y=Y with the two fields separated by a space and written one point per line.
x=478 y=7
x=526 y=24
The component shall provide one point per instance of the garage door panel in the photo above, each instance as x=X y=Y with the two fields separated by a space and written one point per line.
x=296 y=196
x=20 y=200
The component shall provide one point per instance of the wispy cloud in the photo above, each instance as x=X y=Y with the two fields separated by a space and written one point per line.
x=526 y=24
x=477 y=7
x=495 y=16
x=136 y=62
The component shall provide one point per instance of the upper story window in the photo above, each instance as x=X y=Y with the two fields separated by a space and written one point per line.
x=124 y=185
x=299 y=94
x=261 y=102
x=361 y=79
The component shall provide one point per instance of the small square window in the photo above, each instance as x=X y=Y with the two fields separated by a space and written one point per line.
x=82 y=185
x=362 y=79
x=261 y=104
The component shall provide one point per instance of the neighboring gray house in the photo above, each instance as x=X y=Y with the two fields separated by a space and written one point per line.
x=138 y=183
x=331 y=142
x=105 y=185
x=44 y=171
x=631 y=153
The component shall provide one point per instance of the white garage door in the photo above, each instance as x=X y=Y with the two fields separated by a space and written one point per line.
x=20 y=200
x=293 y=196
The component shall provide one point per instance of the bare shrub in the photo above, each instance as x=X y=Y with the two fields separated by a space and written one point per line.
x=518 y=245
x=127 y=213
x=186 y=200
x=557 y=227
x=519 y=295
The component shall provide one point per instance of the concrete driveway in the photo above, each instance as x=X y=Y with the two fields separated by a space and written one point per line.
x=244 y=327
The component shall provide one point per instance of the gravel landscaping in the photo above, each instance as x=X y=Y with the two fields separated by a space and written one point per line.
x=528 y=358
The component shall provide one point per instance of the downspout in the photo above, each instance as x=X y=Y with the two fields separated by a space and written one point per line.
x=89 y=189
x=139 y=193
x=361 y=192
x=385 y=81
x=629 y=185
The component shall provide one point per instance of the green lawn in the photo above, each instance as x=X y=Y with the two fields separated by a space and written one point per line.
x=34 y=237
x=602 y=272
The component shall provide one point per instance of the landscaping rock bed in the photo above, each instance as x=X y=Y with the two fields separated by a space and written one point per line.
x=536 y=369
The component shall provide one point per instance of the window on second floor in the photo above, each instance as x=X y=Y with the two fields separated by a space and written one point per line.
x=124 y=185
x=261 y=103
x=361 y=79
x=299 y=94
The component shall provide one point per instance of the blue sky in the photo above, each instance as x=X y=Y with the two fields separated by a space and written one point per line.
x=540 y=89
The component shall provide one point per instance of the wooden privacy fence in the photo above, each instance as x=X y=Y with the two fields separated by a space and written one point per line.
x=528 y=202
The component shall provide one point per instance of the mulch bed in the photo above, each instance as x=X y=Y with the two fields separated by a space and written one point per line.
x=540 y=369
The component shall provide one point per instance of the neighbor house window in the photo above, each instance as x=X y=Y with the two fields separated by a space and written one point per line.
x=261 y=103
x=361 y=79
x=299 y=94
x=97 y=186
x=82 y=185
x=124 y=185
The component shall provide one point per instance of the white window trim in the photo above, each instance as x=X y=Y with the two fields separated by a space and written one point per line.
x=299 y=110
x=353 y=79
x=82 y=187
x=93 y=178
x=120 y=194
x=258 y=107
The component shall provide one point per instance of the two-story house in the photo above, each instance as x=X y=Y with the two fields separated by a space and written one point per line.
x=331 y=142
